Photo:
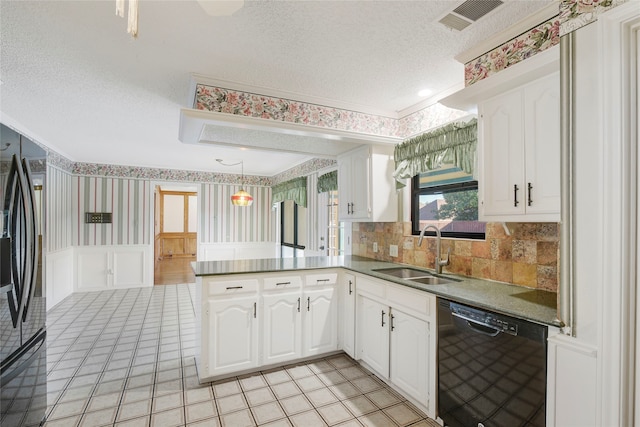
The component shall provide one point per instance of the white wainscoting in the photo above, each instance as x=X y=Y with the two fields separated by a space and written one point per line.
x=58 y=276
x=113 y=267
x=237 y=250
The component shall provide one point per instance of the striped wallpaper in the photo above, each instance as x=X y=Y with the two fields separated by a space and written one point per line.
x=59 y=221
x=222 y=222
x=129 y=201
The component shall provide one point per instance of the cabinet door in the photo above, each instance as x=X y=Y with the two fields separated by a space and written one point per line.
x=502 y=154
x=373 y=334
x=410 y=355
x=361 y=184
x=281 y=333
x=320 y=321
x=348 y=314
x=542 y=145
x=233 y=328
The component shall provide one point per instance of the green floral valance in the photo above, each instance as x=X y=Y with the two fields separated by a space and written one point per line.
x=454 y=143
x=295 y=189
x=328 y=182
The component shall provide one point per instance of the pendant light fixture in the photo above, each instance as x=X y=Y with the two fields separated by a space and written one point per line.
x=241 y=198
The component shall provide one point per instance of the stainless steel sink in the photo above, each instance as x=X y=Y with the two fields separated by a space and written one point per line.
x=415 y=275
x=404 y=272
x=432 y=280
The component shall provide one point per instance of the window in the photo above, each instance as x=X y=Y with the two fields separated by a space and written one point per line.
x=448 y=199
x=293 y=228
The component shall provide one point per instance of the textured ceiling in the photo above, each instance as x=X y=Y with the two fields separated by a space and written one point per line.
x=74 y=79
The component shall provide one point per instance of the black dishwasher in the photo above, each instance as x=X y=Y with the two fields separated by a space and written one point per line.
x=491 y=368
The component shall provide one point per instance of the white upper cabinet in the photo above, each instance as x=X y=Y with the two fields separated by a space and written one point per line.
x=366 y=188
x=519 y=144
x=518 y=139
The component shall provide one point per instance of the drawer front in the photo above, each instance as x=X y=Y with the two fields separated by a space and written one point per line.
x=416 y=301
x=371 y=287
x=233 y=287
x=323 y=279
x=282 y=283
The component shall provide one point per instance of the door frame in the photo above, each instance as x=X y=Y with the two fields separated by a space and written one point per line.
x=172 y=186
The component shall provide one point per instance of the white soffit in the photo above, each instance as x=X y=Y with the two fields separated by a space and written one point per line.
x=198 y=126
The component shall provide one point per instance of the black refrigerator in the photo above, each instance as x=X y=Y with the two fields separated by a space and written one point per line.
x=23 y=366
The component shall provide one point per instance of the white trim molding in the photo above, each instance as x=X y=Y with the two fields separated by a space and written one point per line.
x=618 y=55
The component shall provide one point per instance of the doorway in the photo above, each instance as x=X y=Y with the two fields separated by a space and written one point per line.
x=175 y=234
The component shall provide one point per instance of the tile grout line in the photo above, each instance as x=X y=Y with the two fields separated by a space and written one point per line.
x=85 y=357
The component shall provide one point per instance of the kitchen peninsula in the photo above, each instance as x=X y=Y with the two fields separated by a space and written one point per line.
x=261 y=313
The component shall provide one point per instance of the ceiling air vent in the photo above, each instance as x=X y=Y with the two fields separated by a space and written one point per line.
x=469 y=12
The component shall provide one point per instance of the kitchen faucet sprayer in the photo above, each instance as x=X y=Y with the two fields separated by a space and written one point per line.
x=439 y=262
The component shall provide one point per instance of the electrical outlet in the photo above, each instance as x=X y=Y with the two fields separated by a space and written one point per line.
x=393 y=250
x=375 y=246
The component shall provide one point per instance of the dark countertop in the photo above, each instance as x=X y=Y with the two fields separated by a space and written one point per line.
x=524 y=303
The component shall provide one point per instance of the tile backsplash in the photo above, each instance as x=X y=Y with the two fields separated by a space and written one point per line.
x=525 y=254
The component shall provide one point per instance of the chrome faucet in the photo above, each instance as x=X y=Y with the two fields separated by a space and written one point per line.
x=439 y=262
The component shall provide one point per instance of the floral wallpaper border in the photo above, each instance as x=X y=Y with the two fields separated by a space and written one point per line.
x=575 y=14
x=222 y=100
x=95 y=169
x=303 y=169
x=516 y=50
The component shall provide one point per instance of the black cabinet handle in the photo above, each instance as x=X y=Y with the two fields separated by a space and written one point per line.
x=529 y=188
x=392 y=317
x=234 y=287
x=515 y=195
x=255 y=309
x=308 y=302
x=283 y=283
x=350 y=290
x=322 y=280
x=383 y=313
x=298 y=305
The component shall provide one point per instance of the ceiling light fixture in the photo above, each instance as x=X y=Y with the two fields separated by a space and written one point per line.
x=241 y=198
x=132 y=20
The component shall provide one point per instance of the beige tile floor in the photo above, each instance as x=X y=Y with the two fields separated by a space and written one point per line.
x=126 y=358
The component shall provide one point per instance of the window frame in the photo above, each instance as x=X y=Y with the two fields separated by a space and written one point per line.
x=295 y=244
x=416 y=192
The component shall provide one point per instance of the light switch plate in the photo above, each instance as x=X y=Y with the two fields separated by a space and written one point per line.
x=375 y=246
x=393 y=250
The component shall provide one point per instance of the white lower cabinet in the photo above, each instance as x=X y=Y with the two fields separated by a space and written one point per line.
x=249 y=321
x=320 y=322
x=373 y=334
x=347 y=315
x=396 y=337
x=410 y=354
x=282 y=327
x=233 y=331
